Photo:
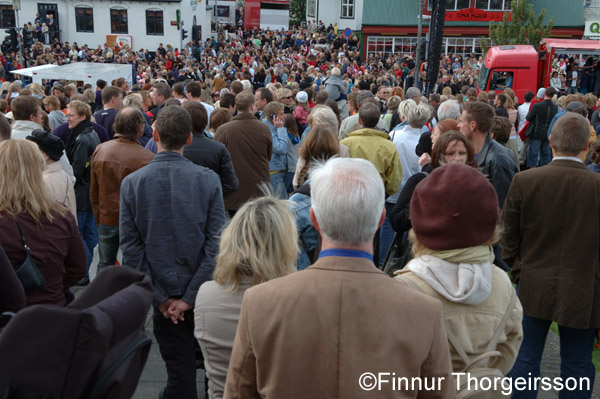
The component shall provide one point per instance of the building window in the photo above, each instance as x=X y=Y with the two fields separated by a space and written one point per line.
x=453 y=5
x=493 y=5
x=311 y=5
x=347 y=9
x=118 y=21
x=84 y=19
x=400 y=46
x=7 y=16
x=154 y=22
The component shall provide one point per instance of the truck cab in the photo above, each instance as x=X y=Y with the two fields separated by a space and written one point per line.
x=514 y=66
x=524 y=69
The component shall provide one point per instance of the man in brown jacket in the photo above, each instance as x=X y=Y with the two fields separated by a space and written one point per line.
x=340 y=328
x=249 y=143
x=111 y=162
x=551 y=238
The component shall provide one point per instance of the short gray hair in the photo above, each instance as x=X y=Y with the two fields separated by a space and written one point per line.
x=418 y=116
x=362 y=96
x=322 y=115
x=449 y=109
x=246 y=85
x=404 y=107
x=348 y=200
x=412 y=93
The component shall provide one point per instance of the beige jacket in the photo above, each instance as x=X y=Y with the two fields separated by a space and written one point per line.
x=216 y=316
x=474 y=325
x=60 y=186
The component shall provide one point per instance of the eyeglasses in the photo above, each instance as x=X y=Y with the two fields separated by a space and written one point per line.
x=287 y=98
x=71 y=116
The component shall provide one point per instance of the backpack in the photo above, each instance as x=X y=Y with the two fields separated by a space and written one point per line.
x=477 y=368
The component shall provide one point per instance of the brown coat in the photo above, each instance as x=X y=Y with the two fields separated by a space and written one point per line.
x=112 y=161
x=249 y=143
x=551 y=239
x=55 y=247
x=312 y=334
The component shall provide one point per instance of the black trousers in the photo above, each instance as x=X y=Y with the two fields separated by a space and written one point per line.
x=178 y=349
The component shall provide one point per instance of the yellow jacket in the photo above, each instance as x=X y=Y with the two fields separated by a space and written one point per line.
x=375 y=146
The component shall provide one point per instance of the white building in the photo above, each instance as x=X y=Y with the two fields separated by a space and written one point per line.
x=144 y=23
x=344 y=13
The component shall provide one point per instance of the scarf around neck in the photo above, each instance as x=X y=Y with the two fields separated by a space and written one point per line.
x=77 y=131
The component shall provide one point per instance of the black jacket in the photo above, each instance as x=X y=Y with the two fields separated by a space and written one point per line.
x=80 y=153
x=541 y=115
x=212 y=154
x=497 y=164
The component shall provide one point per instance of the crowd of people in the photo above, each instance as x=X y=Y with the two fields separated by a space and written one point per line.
x=270 y=187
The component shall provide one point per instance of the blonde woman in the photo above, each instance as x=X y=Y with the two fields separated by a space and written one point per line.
x=13 y=91
x=392 y=105
x=37 y=90
x=259 y=244
x=50 y=231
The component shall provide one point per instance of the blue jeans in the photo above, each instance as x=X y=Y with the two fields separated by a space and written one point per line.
x=288 y=179
x=89 y=234
x=278 y=185
x=386 y=234
x=108 y=245
x=576 y=347
x=541 y=148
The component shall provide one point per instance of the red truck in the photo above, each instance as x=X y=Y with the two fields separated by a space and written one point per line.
x=524 y=69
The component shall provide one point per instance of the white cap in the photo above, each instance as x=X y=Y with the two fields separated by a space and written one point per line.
x=302 y=97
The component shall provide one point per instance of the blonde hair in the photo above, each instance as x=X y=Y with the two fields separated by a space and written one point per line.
x=36 y=88
x=589 y=100
x=283 y=92
x=512 y=96
x=261 y=241
x=133 y=100
x=81 y=108
x=22 y=186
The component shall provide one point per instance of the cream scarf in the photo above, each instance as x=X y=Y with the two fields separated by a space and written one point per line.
x=459 y=275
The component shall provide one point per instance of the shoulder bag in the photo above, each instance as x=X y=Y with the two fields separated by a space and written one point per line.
x=28 y=273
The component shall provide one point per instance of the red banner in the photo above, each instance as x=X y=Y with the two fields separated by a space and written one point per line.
x=475 y=14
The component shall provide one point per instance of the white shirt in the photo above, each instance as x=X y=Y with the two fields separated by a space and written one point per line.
x=523 y=110
x=406 y=140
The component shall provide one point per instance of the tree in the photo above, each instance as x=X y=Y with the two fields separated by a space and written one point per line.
x=297 y=12
x=524 y=28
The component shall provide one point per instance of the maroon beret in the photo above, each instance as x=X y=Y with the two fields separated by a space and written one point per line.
x=455 y=207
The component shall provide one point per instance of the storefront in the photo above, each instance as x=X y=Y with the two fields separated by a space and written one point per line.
x=392 y=28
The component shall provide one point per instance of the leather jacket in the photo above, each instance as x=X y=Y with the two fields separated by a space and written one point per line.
x=497 y=163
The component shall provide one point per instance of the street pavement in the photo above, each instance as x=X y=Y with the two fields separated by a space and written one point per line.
x=154 y=375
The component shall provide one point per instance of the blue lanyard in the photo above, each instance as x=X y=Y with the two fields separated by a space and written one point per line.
x=350 y=253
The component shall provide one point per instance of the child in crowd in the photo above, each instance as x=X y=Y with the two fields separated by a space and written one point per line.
x=301 y=111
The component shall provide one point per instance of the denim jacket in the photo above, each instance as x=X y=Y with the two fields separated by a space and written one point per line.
x=280 y=147
x=307 y=233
